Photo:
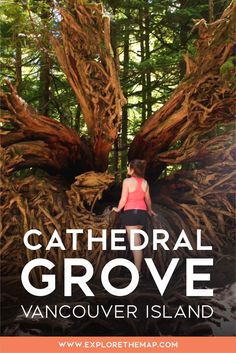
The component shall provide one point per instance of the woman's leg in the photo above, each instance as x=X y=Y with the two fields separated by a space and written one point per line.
x=138 y=254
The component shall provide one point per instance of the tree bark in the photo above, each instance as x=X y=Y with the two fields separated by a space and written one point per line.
x=211 y=10
x=41 y=141
x=147 y=57
x=204 y=99
x=183 y=38
x=44 y=89
x=124 y=130
x=45 y=65
x=18 y=64
x=143 y=76
x=183 y=131
x=86 y=58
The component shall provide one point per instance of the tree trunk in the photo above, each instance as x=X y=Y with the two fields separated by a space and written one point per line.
x=147 y=57
x=143 y=76
x=78 y=119
x=86 y=58
x=44 y=75
x=116 y=157
x=211 y=10
x=204 y=99
x=183 y=38
x=182 y=131
x=18 y=56
x=90 y=68
x=44 y=89
x=18 y=64
x=124 y=131
x=41 y=141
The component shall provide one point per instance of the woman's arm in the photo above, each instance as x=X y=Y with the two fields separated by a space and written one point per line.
x=124 y=196
x=149 y=202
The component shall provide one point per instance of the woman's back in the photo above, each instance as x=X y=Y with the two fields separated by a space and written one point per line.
x=136 y=195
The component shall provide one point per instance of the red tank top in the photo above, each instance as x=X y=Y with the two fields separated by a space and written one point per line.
x=136 y=198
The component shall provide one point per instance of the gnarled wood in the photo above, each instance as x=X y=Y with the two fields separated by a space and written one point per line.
x=205 y=99
x=189 y=199
x=85 y=55
x=41 y=141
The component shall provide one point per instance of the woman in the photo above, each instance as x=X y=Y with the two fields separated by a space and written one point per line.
x=136 y=201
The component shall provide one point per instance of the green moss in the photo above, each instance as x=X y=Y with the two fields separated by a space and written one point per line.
x=228 y=66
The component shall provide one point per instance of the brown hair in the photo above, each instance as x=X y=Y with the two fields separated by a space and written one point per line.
x=139 y=166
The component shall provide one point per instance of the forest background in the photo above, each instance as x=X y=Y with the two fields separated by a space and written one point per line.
x=148 y=38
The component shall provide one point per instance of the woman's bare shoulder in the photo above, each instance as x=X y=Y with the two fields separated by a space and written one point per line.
x=129 y=181
x=126 y=181
x=145 y=184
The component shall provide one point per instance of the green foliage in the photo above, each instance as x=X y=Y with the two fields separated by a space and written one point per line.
x=158 y=33
x=227 y=70
x=29 y=26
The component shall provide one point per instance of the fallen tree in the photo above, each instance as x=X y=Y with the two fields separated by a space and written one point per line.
x=91 y=71
x=193 y=129
x=202 y=101
x=183 y=132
